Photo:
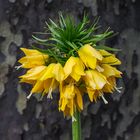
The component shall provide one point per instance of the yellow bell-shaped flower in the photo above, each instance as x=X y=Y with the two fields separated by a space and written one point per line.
x=110 y=71
x=109 y=58
x=32 y=58
x=110 y=86
x=66 y=98
x=32 y=75
x=89 y=56
x=70 y=99
x=44 y=78
x=94 y=79
x=53 y=71
x=74 y=67
x=52 y=75
x=93 y=94
x=45 y=87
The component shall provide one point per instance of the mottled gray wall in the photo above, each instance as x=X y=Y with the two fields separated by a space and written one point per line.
x=32 y=120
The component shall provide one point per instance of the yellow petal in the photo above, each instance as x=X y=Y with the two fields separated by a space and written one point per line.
x=33 y=58
x=105 y=53
x=79 y=99
x=38 y=87
x=46 y=86
x=59 y=72
x=34 y=73
x=79 y=67
x=75 y=76
x=111 y=60
x=89 y=55
x=63 y=104
x=74 y=67
x=78 y=70
x=88 y=78
x=90 y=92
x=69 y=66
x=48 y=72
x=88 y=60
x=71 y=106
x=110 y=71
x=88 y=50
x=99 y=79
x=91 y=62
x=95 y=79
x=110 y=86
x=66 y=111
x=96 y=95
x=69 y=91
x=32 y=61
x=30 y=52
x=50 y=84
x=28 y=81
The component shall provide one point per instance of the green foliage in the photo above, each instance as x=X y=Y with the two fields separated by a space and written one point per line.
x=66 y=37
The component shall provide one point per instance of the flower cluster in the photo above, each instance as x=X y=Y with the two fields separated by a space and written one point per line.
x=75 y=65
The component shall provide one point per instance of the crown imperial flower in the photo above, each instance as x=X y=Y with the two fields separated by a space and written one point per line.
x=75 y=64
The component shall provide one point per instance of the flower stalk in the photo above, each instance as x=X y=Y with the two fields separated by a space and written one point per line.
x=76 y=126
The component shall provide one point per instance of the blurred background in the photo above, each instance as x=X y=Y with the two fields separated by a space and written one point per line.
x=22 y=119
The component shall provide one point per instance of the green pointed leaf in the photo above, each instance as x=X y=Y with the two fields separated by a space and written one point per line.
x=38 y=39
x=102 y=47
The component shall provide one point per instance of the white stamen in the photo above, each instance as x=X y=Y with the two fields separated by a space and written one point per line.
x=28 y=97
x=73 y=119
x=18 y=67
x=118 y=89
x=105 y=101
x=50 y=94
x=100 y=69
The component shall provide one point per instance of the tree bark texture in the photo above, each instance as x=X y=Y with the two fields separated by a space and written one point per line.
x=22 y=119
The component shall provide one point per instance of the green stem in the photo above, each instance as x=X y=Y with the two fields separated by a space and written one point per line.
x=76 y=126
